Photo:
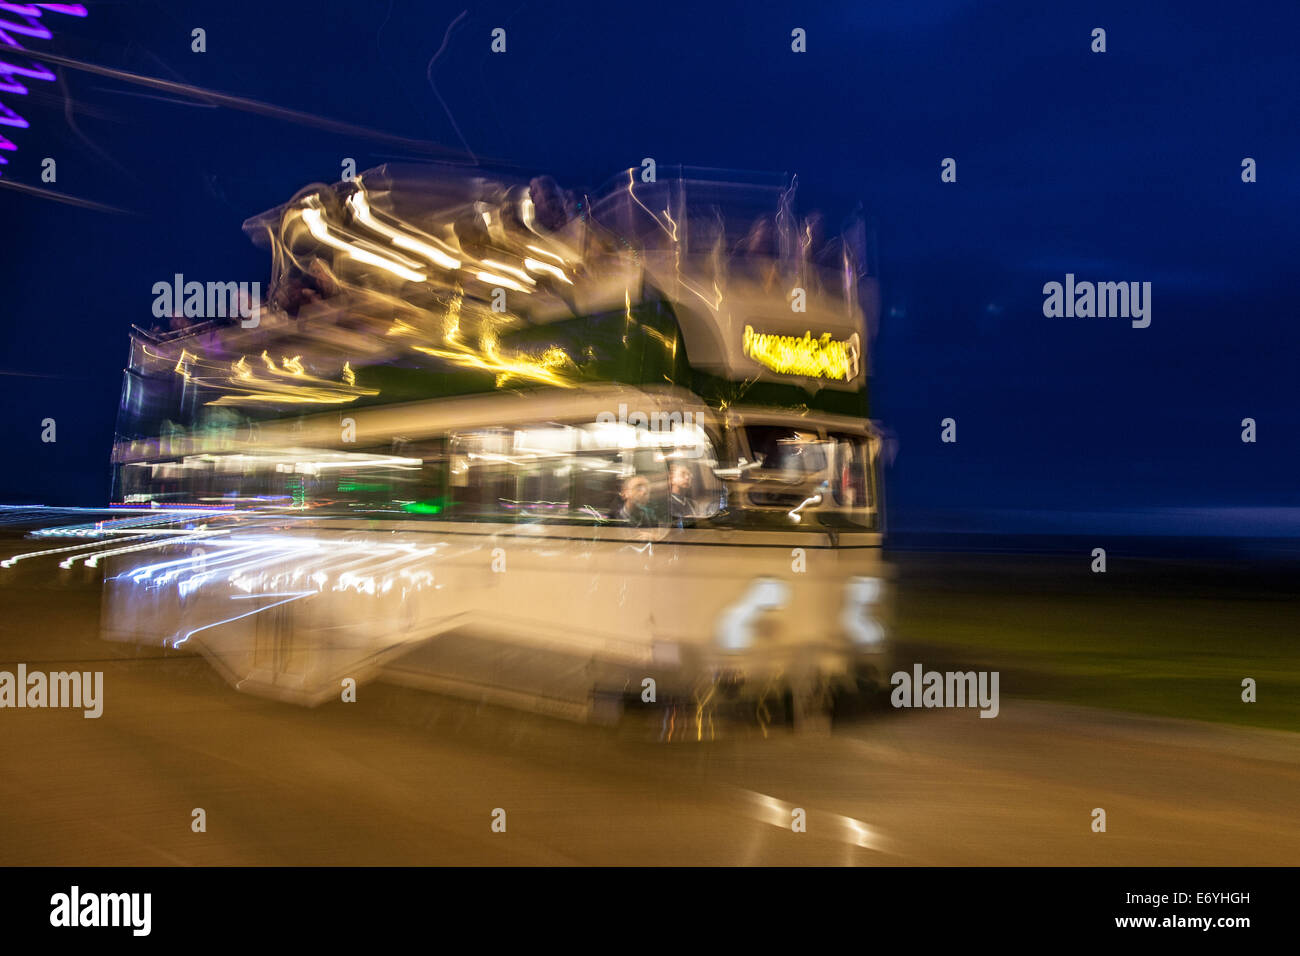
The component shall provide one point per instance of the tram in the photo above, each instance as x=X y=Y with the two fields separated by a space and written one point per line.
x=496 y=440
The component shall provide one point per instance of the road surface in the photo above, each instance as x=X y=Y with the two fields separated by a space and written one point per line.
x=403 y=777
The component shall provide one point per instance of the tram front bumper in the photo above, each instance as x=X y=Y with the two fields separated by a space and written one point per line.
x=758 y=637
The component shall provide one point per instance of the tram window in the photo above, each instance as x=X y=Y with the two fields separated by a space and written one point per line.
x=642 y=490
x=850 y=482
x=597 y=479
x=543 y=489
x=853 y=481
x=375 y=478
x=504 y=473
x=694 y=491
x=482 y=481
x=488 y=490
x=423 y=490
x=542 y=455
x=556 y=472
x=781 y=448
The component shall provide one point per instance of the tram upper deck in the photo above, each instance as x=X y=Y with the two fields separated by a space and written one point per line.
x=407 y=285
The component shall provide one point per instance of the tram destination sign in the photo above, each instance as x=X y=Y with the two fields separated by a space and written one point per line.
x=820 y=357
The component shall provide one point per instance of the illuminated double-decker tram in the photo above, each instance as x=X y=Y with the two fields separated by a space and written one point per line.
x=683 y=510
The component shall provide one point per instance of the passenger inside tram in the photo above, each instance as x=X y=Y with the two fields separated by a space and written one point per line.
x=680 y=505
x=636 y=509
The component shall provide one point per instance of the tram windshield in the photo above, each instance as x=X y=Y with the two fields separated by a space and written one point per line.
x=797 y=472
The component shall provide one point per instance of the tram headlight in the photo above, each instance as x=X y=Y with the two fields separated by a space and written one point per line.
x=735 y=630
x=861 y=595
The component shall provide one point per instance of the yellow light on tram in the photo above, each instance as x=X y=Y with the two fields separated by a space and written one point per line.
x=535 y=265
x=822 y=357
x=491 y=279
x=361 y=209
x=315 y=222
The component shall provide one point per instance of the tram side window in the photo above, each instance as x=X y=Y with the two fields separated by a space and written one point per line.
x=851 y=476
x=421 y=489
x=629 y=488
x=543 y=457
x=584 y=472
x=500 y=474
x=482 y=481
x=853 y=480
x=643 y=490
x=645 y=478
x=599 y=471
x=694 y=491
x=597 y=480
x=375 y=478
x=618 y=478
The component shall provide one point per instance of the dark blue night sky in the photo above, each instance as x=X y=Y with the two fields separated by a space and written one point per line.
x=1117 y=166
